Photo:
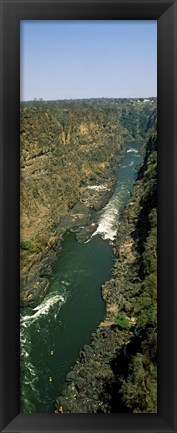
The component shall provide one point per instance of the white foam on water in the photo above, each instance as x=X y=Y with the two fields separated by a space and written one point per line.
x=29 y=382
x=97 y=187
x=24 y=344
x=24 y=352
x=108 y=221
x=42 y=309
x=23 y=339
x=30 y=373
x=132 y=150
x=30 y=378
x=66 y=283
x=32 y=370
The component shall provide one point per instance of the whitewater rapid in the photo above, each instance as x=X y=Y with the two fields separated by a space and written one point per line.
x=108 y=221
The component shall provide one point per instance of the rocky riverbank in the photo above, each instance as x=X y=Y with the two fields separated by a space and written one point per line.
x=116 y=372
x=85 y=391
x=79 y=218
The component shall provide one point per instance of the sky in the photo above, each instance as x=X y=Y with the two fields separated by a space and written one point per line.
x=88 y=59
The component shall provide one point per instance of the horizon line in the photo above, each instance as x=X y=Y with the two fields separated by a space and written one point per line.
x=85 y=98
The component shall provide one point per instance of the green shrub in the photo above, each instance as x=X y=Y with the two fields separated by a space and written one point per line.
x=123 y=322
x=29 y=246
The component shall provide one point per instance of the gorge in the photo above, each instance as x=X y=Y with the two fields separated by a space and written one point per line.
x=79 y=161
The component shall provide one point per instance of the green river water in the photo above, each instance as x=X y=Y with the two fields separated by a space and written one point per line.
x=53 y=333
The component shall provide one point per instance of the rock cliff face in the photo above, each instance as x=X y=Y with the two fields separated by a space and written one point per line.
x=116 y=372
x=67 y=147
x=64 y=152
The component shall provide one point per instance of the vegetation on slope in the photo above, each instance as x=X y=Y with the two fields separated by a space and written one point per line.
x=139 y=380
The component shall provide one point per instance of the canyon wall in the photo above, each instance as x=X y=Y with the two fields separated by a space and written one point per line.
x=67 y=147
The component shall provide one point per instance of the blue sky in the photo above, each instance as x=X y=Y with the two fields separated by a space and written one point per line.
x=88 y=59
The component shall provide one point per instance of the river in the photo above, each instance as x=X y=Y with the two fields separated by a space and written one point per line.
x=53 y=333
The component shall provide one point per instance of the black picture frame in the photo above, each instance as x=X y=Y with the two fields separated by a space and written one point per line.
x=165 y=12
